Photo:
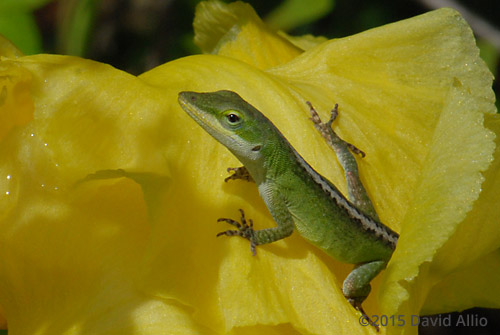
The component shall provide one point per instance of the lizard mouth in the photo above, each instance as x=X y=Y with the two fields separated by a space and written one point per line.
x=186 y=102
x=189 y=108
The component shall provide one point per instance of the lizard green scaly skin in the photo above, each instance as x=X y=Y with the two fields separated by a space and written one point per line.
x=296 y=195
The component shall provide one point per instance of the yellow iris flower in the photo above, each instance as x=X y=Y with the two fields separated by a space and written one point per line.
x=109 y=192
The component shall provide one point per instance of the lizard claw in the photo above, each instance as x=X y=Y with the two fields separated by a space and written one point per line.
x=356 y=303
x=239 y=173
x=244 y=230
x=326 y=130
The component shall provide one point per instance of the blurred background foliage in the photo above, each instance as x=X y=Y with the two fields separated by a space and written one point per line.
x=137 y=35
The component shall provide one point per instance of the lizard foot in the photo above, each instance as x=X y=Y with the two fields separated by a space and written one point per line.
x=239 y=173
x=326 y=130
x=245 y=230
x=357 y=305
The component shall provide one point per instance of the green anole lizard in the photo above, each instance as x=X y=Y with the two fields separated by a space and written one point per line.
x=296 y=195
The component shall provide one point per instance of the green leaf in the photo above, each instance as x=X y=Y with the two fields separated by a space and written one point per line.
x=76 y=26
x=20 y=28
x=294 y=13
x=8 y=5
x=489 y=54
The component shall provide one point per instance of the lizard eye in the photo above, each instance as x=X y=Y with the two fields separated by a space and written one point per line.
x=232 y=118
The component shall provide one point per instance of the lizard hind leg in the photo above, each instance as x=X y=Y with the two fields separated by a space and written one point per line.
x=357 y=286
x=356 y=191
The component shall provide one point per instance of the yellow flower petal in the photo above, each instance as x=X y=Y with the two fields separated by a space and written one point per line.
x=472 y=253
x=16 y=105
x=7 y=49
x=234 y=30
x=70 y=254
x=304 y=42
x=477 y=283
x=88 y=257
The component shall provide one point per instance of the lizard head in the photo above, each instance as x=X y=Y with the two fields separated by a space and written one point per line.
x=230 y=120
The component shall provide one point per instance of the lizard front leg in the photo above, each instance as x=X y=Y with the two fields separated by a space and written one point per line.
x=245 y=229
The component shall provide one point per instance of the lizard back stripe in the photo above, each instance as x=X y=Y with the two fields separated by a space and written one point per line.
x=367 y=223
